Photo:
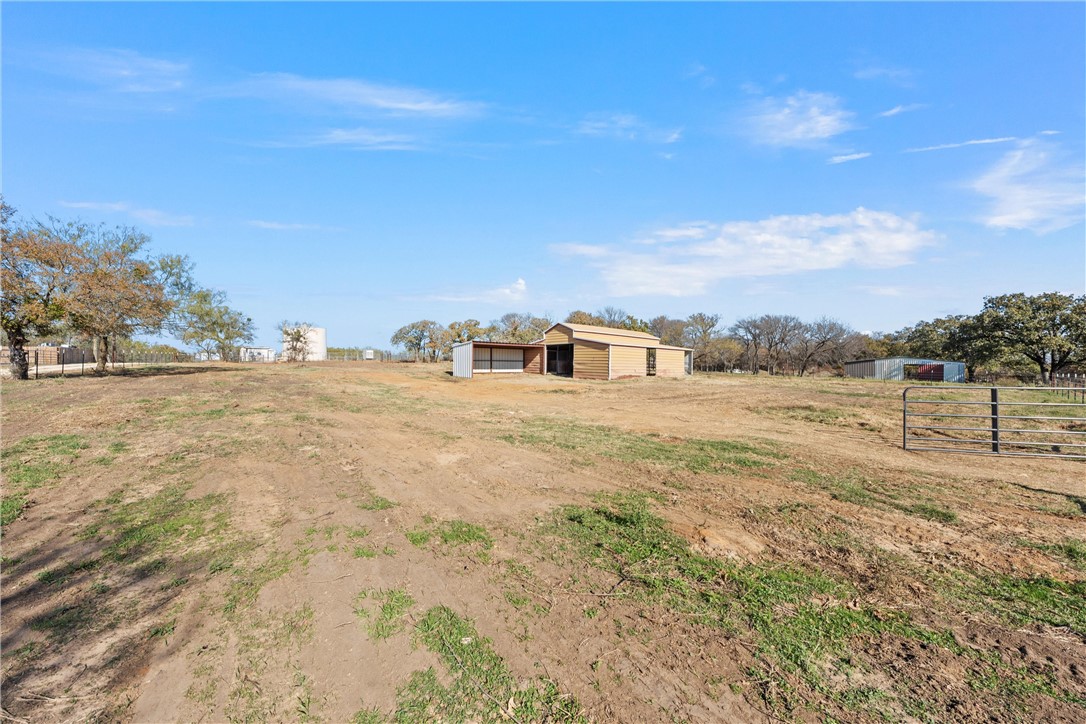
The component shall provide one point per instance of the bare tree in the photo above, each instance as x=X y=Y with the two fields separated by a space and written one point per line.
x=817 y=343
x=295 y=340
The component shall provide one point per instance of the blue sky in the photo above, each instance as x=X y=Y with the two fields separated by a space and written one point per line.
x=361 y=166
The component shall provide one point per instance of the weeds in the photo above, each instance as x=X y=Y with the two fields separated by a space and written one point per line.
x=31 y=463
x=388 y=619
x=861 y=490
x=481 y=688
x=695 y=455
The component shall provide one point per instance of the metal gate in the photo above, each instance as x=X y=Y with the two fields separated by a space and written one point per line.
x=1013 y=421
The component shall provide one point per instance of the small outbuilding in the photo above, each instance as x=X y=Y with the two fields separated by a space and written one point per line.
x=479 y=357
x=581 y=351
x=587 y=352
x=907 y=368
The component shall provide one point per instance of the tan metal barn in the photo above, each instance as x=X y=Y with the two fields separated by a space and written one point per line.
x=587 y=352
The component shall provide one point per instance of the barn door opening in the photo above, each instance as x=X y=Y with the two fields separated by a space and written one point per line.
x=650 y=362
x=560 y=359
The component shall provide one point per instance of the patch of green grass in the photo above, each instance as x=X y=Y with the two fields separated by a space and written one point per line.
x=457 y=533
x=248 y=581
x=163 y=630
x=11 y=507
x=372 y=715
x=853 y=487
x=812 y=413
x=389 y=617
x=62 y=623
x=1031 y=600
x=359 y=532
x=419 y=538
x=481 y=687
x=165 y=521
x=104 y=460
x=63 y=573
x=364 y=552
x=31 y=463
x=798 y=616
x=118 y=447
x=695 y=455
x=376 y=502
x=1071 y=550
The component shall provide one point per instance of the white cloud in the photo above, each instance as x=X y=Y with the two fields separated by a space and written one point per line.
x=848 y=157
x=587 y=250
x=974 y=142
x=689 y=263
x=883 y=291
x=1030 y=188
x=893 y=74
x=515 y=292
x=152 y=217
x=359 y=139
x=1050 y=133
x=117 y=69
x=698 y=72
x=626 y=127
x=801 y=119
x=281 y=226
x=898 y=110
x=354 y=95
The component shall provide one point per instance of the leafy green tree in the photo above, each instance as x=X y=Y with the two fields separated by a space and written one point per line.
x=414 y=337
x=213 y=327
x=579 y=316
x=1049 y=328
x=519 y=327
x=117 y=290
x=960 y=338
x=36 y=281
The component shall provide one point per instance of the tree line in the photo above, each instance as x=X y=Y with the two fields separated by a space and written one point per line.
x=1013 y=332
x=70 y=279
x=1043 y=333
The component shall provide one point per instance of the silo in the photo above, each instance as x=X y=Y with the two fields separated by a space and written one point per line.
x=318 y=344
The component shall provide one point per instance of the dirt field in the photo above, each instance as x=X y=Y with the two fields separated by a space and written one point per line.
x=367 y=542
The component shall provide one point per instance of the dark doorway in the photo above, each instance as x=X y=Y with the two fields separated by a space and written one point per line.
x=650 y=362
x=560 y=359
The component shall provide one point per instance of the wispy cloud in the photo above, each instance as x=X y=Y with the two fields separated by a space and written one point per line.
x=354 y=95
x=897 y=75
x=848 y=157
x=626 y=127
x=515 y=292
x=281 y=226
x=881 y=291
x=151 y=217
x=802 y=119
x=974 y=142
x=116 y=69
x=898 y=110
x=700 y=74
x=689 y=263
x=359 y=139
x=1032 y=188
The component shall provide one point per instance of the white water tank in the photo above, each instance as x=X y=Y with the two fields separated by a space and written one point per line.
x=318 y=344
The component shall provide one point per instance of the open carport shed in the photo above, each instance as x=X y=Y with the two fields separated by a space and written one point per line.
x=477 y=357
x=907 y=368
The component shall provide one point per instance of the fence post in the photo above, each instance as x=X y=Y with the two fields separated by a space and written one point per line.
x=905 y=419
x=82 y=361
x=62 y=363
x=995 y=419
x=35 y=364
